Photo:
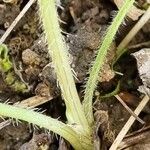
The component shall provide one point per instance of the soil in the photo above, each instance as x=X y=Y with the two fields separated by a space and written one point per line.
x=86 y=23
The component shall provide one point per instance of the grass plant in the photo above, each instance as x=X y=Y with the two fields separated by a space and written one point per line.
x=79 y=127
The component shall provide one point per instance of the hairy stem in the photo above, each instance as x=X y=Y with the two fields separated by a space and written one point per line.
x=59 y=54
x=94 y=73
x=77 y=141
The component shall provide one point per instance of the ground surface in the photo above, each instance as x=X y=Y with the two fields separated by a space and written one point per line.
x=86 y=22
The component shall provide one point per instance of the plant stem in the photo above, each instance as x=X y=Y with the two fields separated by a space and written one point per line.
x=122 y=46
x=59 y=54
x=78 y=141
x=94 y=73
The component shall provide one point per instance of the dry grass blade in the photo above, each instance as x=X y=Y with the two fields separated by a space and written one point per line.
x=33 y=101
x=140 y=45
x=135 y=138
x=14 y=23
x=129 y=123
x=134 y=31
x=129 y=110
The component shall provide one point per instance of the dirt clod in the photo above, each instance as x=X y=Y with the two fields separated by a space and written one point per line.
x=30 y=58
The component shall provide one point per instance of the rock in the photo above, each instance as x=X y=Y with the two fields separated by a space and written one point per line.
x=143 y=65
